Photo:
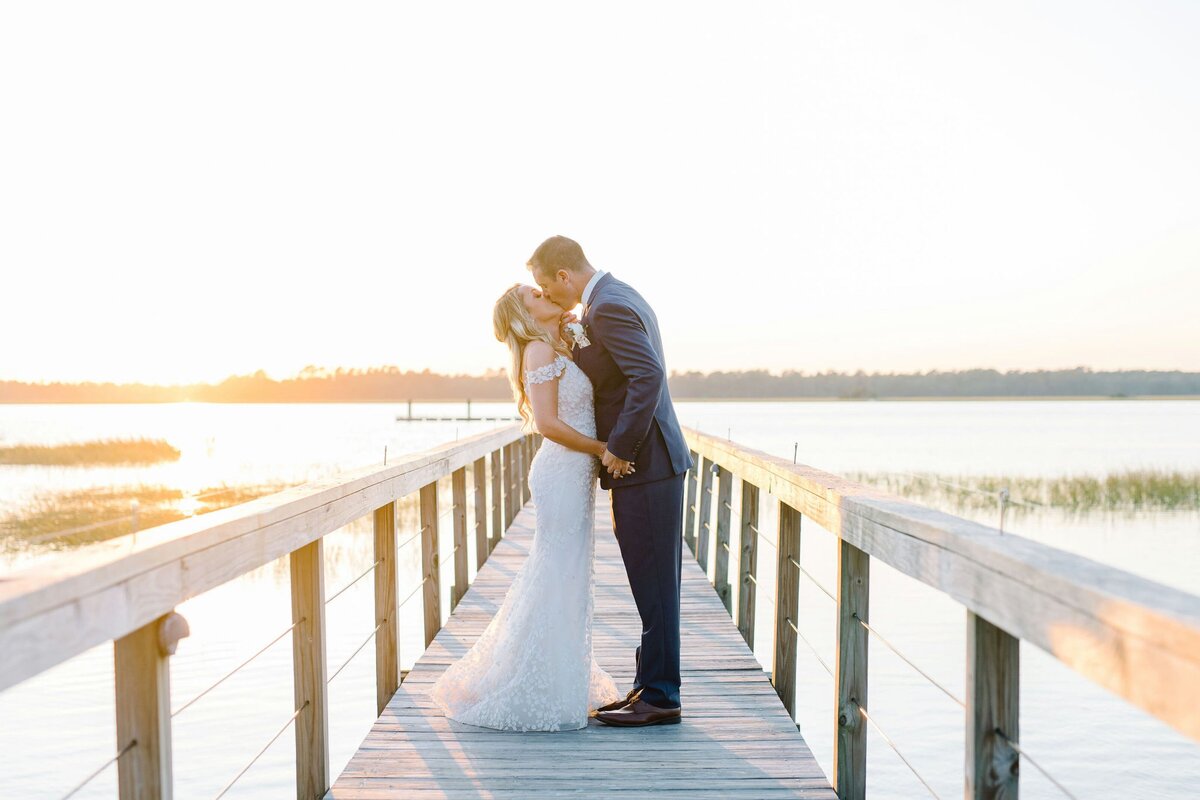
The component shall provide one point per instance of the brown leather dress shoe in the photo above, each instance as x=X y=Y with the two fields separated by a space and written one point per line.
x=639 y=713
x=624 y=701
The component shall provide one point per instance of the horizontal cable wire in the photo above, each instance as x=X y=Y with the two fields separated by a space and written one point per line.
x=356 y=652
x=892 y=745
x=413 y=538
x=802 y=638
x=906 y=660
x=101 y=768
x=418 y=588
x=1036 y=765
x=368 y=571
x=230 y=674
x=291 y=719
x=816 y=583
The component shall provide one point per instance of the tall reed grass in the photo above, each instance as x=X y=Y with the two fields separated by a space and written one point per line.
x=102 y=451
x=1131 y=490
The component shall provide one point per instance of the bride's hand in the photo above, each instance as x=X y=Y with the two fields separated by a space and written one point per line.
x=566 y=319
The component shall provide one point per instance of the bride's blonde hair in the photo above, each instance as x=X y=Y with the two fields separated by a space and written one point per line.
x=516 y=327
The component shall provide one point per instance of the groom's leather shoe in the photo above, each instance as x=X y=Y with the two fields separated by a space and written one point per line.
x=624 y=701
x=640 y=713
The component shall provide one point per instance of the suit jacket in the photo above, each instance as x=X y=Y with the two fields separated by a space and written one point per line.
x=625 y=364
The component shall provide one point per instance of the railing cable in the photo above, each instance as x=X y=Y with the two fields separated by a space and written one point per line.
x=257 y=755
x=413 y=538
x=815 y=582
x=368 y=571
x=416 y=589
x=906 y=660
x=233 y=671
x=101 y=768
x=804 y=639
x=1036 y=765
x=356 y=651
x=892 y=745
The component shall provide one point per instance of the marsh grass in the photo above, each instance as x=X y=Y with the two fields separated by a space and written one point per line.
x=1132 y=490
x=79 y=517
x=102 y=451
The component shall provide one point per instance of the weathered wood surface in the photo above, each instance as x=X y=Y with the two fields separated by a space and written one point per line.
x=310 y=682
x=61 y=608
x=143 y=703
x=736 y=740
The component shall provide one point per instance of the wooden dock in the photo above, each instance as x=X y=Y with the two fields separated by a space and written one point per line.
x=1137 y=639
x=736 y=740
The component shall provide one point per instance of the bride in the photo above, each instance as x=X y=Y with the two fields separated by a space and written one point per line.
x=532 y=668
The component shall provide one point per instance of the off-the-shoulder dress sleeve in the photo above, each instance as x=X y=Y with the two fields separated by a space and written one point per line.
x=546 y=373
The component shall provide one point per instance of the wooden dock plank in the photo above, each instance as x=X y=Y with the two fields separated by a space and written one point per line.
x=736 y=740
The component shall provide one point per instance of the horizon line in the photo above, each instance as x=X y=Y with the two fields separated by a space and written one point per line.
x=312 y=372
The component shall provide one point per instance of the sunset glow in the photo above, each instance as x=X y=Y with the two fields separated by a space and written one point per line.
x=190 y=195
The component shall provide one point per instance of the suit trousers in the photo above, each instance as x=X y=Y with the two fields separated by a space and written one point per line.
x=648 y=523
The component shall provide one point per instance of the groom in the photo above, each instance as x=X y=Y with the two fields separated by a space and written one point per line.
x=623 y=358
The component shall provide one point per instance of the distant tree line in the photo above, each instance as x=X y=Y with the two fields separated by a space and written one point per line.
x=390 y=384
x=1080 y=381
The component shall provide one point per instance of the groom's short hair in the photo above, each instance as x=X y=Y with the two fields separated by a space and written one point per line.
x=557 y=252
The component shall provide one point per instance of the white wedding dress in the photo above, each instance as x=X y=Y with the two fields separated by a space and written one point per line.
x=532 y=668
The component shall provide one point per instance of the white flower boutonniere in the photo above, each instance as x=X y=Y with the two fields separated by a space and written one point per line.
x=578 y=333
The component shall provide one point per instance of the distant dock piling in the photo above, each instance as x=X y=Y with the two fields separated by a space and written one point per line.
x=468 y=418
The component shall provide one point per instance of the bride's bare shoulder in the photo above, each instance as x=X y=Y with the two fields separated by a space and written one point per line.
x=538 y=354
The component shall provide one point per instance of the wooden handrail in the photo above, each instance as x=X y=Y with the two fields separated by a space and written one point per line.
x=1137 y=638
x=61 y=609
x=125 y=590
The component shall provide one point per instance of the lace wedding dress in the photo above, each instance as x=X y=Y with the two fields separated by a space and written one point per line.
x=532 y=668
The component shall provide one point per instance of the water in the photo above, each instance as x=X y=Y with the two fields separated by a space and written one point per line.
x=58 y=726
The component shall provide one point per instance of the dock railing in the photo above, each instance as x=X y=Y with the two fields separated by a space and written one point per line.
x=125 y=591
x=1138 y=639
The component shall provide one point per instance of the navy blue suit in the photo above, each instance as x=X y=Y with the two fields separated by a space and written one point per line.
x=635 y=416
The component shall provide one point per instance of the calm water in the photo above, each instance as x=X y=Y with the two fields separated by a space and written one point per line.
x=57 y=727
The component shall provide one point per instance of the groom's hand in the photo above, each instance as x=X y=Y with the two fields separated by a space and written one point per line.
x=617 y=467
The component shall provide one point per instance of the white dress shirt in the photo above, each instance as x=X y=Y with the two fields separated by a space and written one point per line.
x=587 y=290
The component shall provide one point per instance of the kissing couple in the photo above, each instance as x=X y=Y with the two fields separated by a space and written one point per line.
x=595 y=387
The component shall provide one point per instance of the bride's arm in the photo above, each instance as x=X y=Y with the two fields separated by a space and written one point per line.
x=543 y=398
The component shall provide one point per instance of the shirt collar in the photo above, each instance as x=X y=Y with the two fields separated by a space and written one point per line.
x=587 y=290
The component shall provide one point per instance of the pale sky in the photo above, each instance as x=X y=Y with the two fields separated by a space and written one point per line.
x=190 y=191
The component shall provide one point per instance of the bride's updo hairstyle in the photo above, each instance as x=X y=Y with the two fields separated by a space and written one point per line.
x=516 y=327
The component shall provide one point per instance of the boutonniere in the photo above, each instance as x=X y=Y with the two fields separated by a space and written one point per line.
x=578 y=333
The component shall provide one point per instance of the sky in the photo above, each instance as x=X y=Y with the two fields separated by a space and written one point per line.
x=192 y=191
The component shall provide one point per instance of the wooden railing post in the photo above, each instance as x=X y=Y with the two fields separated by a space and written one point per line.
x=850 y=678
x=724 y=504
x=497 y=501
x=387 y=652
x=993 y=694
x=308 y=667
x=430 y=571
x=512 y=469
x=519 y=453
x=479 y=484
x=689 y=511
x=748 y=563
x=458 y=492
x=143 y=702
x=706 y=476
x=527 y=460
x=787 y=607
